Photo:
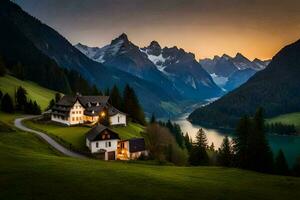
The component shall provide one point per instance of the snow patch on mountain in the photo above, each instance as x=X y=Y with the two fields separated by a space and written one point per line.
x=158 y=61
x=219 y=80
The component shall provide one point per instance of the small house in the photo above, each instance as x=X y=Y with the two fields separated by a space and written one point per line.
x=106 y=144
x=78 y=109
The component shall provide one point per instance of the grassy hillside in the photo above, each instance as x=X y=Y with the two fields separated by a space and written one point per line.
x=132 y=130
x=9 y=84
x=75 y=135
x=292 y=118
x=31 y=170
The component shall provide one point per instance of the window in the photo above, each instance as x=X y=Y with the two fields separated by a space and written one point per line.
x=118 y=118
x=73 y=118
x=107 y=144
x=97 y=145
x=73 y=112
x=79 y=112
x=76 y=118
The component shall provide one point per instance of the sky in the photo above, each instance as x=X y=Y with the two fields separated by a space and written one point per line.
x=255 y=28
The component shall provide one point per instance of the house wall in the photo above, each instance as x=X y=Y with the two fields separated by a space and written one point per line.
x=91 y=118
x=88 y=143
x=60 y=119
x=76 y=114
x=102 y=145
x=118 y=119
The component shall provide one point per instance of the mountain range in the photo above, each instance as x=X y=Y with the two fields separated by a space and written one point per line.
x=161 y=88
x=173 y=68
x=275 y=89
x=231 y=72
x=164 y=78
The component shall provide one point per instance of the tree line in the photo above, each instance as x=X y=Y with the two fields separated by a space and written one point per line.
x=281 y=129
x=126 y=102
x=20 y=103
x=249 y=149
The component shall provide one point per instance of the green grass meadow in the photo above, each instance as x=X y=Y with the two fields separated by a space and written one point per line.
x=9 y=84
x=291 y=118
x=31 y=170
x=75 y=135
x=132 y=130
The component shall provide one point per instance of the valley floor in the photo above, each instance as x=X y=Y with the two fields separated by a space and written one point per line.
x=30 y=169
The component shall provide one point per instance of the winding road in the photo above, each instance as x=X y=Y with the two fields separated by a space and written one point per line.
x=49 y=140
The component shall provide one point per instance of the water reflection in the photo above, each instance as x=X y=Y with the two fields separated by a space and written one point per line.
x=289 y=144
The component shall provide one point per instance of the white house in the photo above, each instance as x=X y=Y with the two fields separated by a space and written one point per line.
x=105 y=142
x=72 y=110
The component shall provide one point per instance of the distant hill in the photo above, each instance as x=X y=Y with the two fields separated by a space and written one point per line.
x=276 y=89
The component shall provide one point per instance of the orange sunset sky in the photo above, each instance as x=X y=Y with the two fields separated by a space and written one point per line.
x=256 y=28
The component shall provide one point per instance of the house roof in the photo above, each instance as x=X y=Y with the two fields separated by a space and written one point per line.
x=136 y=145
x=113 y=111
x=64 y=105
x=100 y=132
x=89 y=101
x=86 y=101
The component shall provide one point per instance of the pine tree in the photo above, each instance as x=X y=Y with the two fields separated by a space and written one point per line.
x=57 y=97
x=198 y=155
x=260 y=154
x=281 y=166
x=153 y=119
x=225 y=153
x=51 y=104
x=21 y=98
x=107 y=92
x=115 y=98
x=7 y=104
x=36 y=109
x=188 y=142
x=201 y=140
x=132 y=106
x=241 y=148
x=95 y=90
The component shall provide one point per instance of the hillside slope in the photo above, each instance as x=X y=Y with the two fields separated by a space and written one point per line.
x=275 y=88
x=30 y=170
x=9 y=84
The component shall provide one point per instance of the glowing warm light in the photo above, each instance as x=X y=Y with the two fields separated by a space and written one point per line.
x=102 y=114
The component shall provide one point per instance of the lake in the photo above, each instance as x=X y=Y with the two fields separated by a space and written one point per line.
x=289 y=144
